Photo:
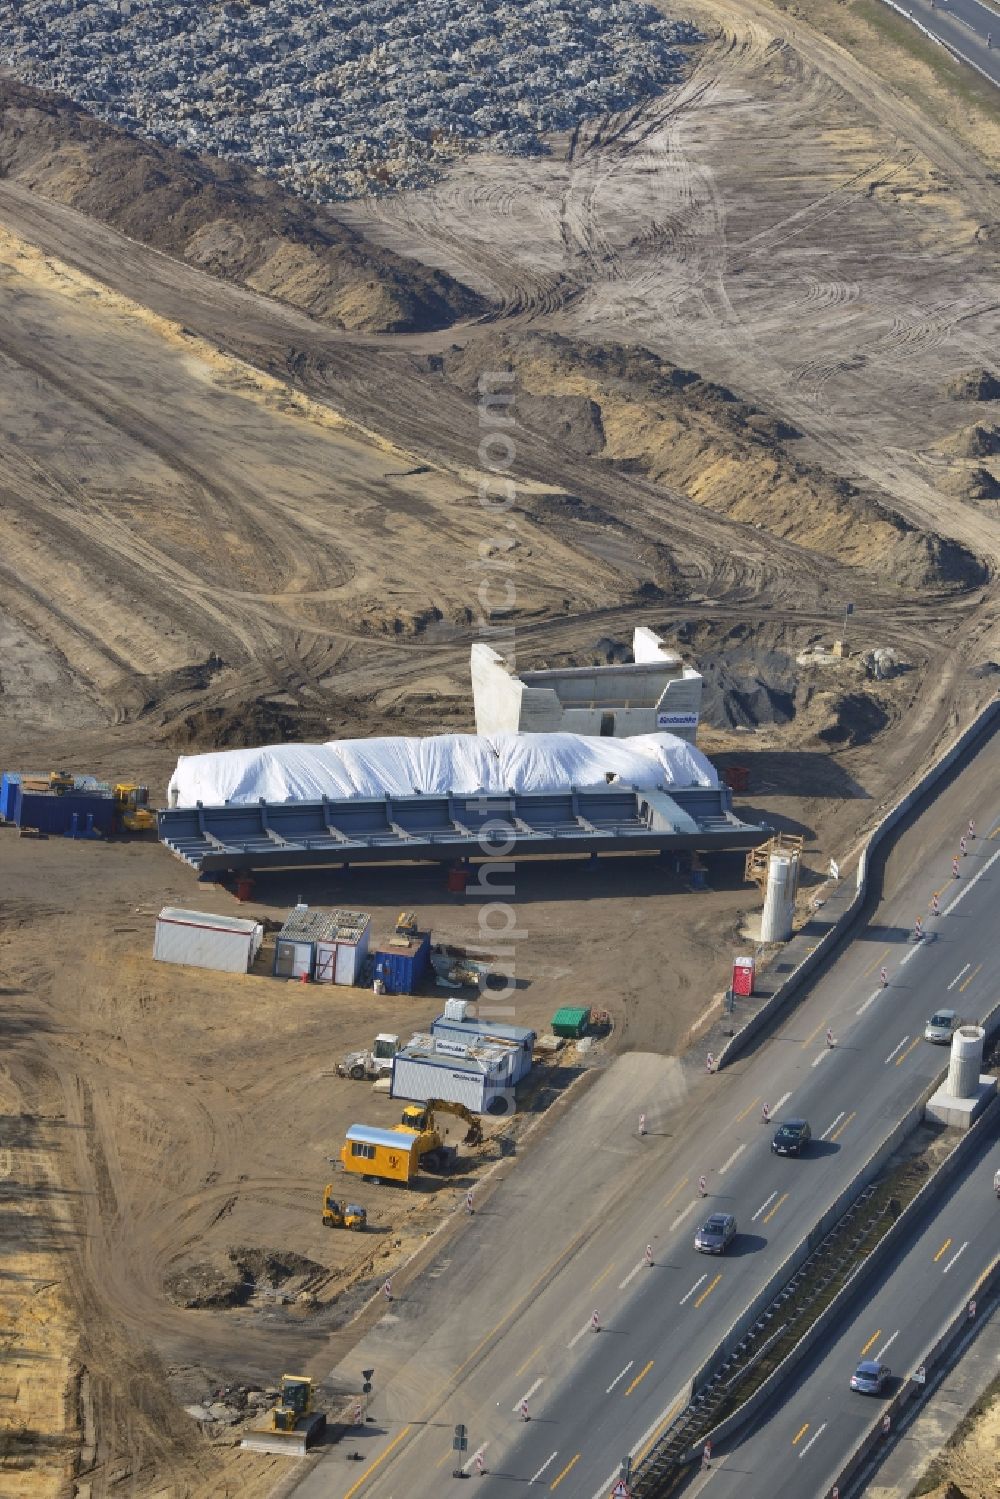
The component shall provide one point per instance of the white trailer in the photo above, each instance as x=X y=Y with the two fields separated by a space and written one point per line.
x=199 y=939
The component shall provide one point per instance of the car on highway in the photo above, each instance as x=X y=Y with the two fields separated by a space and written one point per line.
x=942 y=1026
x=716 y=1234
x=870 y=1377
x=792 y=1137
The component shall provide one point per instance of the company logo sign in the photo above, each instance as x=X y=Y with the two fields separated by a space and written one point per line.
x=676 y=720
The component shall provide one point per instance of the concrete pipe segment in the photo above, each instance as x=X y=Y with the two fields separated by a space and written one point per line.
x=966 y=1061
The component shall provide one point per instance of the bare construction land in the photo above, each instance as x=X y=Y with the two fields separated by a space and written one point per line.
x=754 y=330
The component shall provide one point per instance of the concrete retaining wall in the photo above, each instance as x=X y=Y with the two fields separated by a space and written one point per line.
x=821 y=954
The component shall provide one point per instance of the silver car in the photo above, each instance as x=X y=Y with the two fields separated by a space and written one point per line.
x=941 y=1027
x=870 y=1377
x=716 y=1234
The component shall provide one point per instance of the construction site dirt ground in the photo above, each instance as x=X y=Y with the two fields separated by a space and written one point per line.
x=227 y=523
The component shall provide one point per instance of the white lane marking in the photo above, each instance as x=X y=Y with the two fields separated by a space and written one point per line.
x=960 y=974
x=886 y=1346
x=546 y=1464
x=763 y=1205
x=974 y=881
x=819 y=1058
x=914 y=949
x=954 y=1257
x=817 y=1433
x=832 y=1126
x=684 y=1212
x=895 y=1049
x=869 y=1001
x=732 y=1159
x=516 y=1409
x=588 y=1326
x=619 y=1377
x=692 y=1290
x=781 y=1103
x=632 y=1275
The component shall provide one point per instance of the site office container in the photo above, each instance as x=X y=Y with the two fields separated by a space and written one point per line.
x=228 y=944
x=518 y=1042
x=401 y=969
x=385 y=1153
x=340 y=960
x=474 y=1082
x=292 y=959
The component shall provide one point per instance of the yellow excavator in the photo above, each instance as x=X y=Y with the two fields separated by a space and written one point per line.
x=338 y=1214
x=132 y=809
x=433 y=1153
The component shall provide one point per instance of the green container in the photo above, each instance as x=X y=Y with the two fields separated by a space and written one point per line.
x=571 y=1021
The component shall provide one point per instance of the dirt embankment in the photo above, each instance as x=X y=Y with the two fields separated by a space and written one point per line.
x=222 y=217
x=638 y=411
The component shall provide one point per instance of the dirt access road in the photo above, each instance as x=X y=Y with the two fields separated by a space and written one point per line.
x=225 y=522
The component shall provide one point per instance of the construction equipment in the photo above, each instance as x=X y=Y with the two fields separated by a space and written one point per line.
x=371 y=1064
x=406 y=925
x=56 y=780
x=419 y=1117
x=414 y=1145
x=294 y=1425
x=339 y=1214
x=132 y=810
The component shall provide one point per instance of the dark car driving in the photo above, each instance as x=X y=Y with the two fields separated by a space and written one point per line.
x=792 y=1137
x=716 y=1234
x=870 y=1377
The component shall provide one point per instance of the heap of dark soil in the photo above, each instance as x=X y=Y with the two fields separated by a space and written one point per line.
x=221 y=216
x=212 y=1284
x=974 y=385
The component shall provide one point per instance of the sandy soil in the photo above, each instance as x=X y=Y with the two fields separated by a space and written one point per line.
x=227 y=521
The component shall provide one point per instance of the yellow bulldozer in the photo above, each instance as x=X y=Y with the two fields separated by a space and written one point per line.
x=132 y=810
x=295 y=1404
x=339 y=1214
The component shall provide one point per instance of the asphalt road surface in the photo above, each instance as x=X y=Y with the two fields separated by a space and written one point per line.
x=820 y=1421
x=565 y=1235
x=965 y=26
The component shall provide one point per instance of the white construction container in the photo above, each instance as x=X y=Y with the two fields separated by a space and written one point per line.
x=201 y=940
x=432 y=1068
x=515 y=1042
x=327 y=946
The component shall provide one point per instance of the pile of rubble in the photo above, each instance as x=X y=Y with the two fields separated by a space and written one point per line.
x=342 y=98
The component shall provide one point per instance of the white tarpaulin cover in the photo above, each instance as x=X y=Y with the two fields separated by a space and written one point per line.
x=460 y=764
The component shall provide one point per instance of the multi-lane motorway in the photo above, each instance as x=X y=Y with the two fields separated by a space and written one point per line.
x=967 y=27
x=819 y=1420
x=506 y=1315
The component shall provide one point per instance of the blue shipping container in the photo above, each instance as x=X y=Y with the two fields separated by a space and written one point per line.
x=50 y=813
x=10 y=783
x=401 y=969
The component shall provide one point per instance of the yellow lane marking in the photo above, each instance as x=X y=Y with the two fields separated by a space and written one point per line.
x=875 y=962
x=571 y=1464
x=943 y=1250
x=529 y=1359
x=810 y=1038
x=748 y=1110
x=371 y=1469
x=962 y=987
x=996 y=832
x=777 y=1205
x=904 y=1054
x=671 y=1195
x=638 y=1377
x=708 y=1290
x=442 y=1460
x=657 y=1434
x=873 y=1339
x=841 y=1127
x=607 y=1271
x=800 y=1434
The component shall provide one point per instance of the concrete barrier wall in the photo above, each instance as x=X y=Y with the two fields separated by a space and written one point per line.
x=804 y=1249
x=867 y=1454
x=821 y=953
x=887 y=1245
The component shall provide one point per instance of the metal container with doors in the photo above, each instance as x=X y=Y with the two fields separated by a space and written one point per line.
x=10 y=790
x=402 y=964
x=54 y=812
x=571 y=1021
x=201 y=939
x=327 y=946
